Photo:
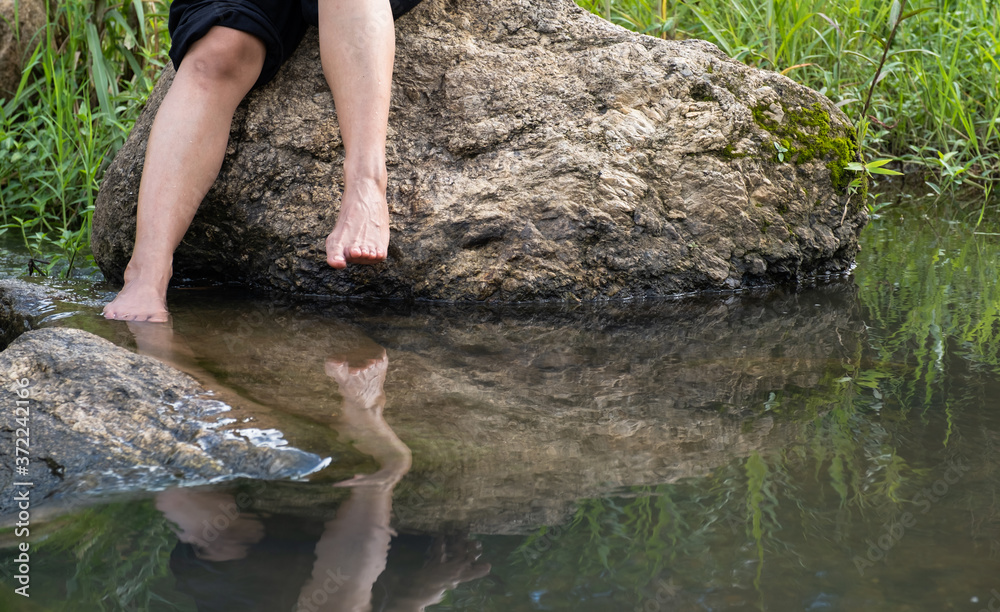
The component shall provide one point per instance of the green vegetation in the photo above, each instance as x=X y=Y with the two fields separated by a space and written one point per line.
x=799 y=146
x=86 y=77
x=937 y=100
x=112 y=557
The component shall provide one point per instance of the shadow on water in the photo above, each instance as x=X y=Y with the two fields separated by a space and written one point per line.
x=827 y=448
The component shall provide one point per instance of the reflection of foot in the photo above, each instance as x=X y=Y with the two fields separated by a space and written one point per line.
x=143 y=298
x=361 y=420
x=450 y=564
x=383 y=479
x=361 y=386
x=453 y=563
x=160 y=342
x=361 y=235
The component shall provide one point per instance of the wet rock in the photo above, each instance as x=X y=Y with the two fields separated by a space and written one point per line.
x=535 y=152
x=22 y=304
x=101 y=419
x=20 y=20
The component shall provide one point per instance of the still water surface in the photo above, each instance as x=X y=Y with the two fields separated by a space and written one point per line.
x=834 y=447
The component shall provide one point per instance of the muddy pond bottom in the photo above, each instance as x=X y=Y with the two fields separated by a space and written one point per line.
x=827 y=447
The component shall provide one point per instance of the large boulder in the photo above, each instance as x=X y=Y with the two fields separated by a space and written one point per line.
x=535 y=152
x=20 y=20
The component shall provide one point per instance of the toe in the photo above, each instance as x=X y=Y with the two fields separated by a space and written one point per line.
x=336 y=260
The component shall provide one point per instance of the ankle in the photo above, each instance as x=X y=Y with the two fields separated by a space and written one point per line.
x=371 y=169
x=148 y=272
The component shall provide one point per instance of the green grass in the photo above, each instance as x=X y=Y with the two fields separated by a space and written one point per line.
x=85 y=80
x=937 y=99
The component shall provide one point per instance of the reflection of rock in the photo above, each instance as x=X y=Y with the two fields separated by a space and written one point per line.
x=513 y=414
x=535 y=152
x=29 y=19
x=102 y=419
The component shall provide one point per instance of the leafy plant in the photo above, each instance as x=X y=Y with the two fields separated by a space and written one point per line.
x=82 y=86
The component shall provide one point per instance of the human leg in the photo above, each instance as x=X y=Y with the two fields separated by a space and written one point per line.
x=184 y=154
x=357 y=45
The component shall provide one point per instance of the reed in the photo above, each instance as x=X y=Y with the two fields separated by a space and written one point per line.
x=85 y=80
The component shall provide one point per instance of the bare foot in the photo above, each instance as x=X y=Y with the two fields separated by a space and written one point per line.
x=143 y=298
x=361 y=235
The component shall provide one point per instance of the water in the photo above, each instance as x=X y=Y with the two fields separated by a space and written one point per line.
x=833 y=447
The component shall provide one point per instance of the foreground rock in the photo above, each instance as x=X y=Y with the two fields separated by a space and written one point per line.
x=20 y=20
x=536 y=152
x=101 y=419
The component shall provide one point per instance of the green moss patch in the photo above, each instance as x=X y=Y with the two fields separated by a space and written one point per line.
x=806 y=135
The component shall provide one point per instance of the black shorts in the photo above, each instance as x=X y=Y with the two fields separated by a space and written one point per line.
x=279 y=24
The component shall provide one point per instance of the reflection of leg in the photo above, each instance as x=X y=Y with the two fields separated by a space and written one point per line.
x=185 y=151
x=352 y=552
x=362 y=423
x=451 y=564
x=357 y=44
x=211 y=522
x=159 y=341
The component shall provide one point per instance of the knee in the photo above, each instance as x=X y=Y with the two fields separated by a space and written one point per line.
x=225 y=55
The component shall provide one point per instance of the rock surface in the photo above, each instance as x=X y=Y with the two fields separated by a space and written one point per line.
x=101 y=419
x=535 y=152
x=22 y=304
x=29 y=15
